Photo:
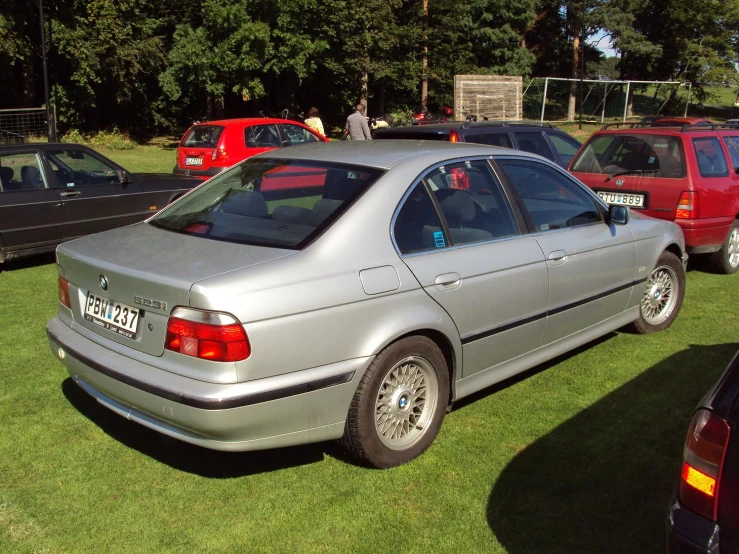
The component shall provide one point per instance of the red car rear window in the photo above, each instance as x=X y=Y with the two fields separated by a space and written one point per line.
x=202 y=136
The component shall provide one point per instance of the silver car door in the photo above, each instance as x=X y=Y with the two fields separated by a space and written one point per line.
x=459 y=236
x=591 y=263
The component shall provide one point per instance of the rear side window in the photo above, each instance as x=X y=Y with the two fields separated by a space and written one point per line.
x=203 y=136
x=732 y=145
x=21 y=172
x=534 y=143
x=261 y=136
x=491 y=139
x=620 y=154
x=710 y=157
x=565 y=147
x=269 y=202
x=418 y=226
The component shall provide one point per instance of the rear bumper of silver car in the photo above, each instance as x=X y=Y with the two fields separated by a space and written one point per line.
x=297 y=408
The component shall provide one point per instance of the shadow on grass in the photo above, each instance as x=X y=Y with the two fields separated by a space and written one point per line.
x=190 y=458
x=30 y=261
x=601 y=481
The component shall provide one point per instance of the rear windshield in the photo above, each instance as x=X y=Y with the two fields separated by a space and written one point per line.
x=646 y=155
x=269 y=202
x=202 y=136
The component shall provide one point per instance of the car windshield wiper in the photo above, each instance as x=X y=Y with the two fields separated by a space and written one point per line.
x=632 y=172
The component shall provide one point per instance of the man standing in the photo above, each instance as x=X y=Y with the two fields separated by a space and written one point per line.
x=356 y=125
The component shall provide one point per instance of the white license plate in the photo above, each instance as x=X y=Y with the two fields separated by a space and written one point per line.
x=113 y=316
x=193 y=161
x=622 y=199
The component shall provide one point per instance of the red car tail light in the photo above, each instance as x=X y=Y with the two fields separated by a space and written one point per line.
x=687 y=206
x=210 y=336
x=453 y=136
x=703 y=459
x=219 y=155
x=63 y=286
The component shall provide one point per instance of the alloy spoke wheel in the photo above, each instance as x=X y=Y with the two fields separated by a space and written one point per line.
x=660 y=296
x=733 y=247
x=406 y=402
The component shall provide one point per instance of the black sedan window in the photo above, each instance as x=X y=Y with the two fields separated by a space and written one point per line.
x=21 y=172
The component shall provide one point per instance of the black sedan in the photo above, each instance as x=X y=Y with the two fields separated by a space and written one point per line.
x=703 y=517
x=50 y=193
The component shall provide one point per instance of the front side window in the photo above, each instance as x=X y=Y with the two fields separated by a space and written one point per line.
x=295 y=134
x=732 y=145
x=21 y=172
x=269 y=202
x=565 y=147
x=534 y=143
x=551 y=199
x=262 y=136
x=710 y=156
x=650 y=156
x=77 y=167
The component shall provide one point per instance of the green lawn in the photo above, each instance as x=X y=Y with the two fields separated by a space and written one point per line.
x=577 y=456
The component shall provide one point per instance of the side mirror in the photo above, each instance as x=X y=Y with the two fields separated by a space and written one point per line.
x=618 y=215
x=736 y=170
x=122 y=176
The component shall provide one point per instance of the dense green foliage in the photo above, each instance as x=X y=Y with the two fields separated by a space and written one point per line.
x=147 y=67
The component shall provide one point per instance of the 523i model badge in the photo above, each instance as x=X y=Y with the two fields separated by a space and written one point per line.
x=149 y=303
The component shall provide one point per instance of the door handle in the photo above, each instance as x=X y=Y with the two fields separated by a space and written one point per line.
x=557 y=257
x=69 y=193
x=448 y=281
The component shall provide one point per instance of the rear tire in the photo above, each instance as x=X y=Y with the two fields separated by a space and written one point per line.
x=663 y=295
x=726 y=260
x=399 y=404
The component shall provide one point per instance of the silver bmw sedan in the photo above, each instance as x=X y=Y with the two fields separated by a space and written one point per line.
x=353 y=291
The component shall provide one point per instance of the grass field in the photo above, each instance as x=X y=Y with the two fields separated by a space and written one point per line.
x=576 y=456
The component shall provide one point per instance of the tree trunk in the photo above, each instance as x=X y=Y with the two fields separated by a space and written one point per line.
x=575 y=74
x=363 y=94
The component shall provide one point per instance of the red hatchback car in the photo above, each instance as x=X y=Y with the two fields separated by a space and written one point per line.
x=208 y=148
x=687 y=174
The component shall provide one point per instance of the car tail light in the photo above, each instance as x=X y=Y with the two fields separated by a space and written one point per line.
x=63 y=286
x=687 y=206
x=210 y=336
x=219 y=155
x=453 y=136
x=703 y=459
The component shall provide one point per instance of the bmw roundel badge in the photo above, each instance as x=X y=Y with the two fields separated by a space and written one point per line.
x=103 y=282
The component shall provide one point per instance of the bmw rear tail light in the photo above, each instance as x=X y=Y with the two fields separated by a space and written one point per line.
x=453 y=136
x=219 y=155
x=213 y=336
x=703 y=459
x=63 y=286
x=687 y=206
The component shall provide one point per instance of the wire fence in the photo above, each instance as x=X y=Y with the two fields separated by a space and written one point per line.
x=23 y=125
x=556 y=99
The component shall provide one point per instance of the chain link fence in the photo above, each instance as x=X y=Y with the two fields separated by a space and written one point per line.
x=23 y=125
x=555 y=99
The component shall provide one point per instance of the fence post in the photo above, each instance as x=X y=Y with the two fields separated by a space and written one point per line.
x=544 y=101
x=626 y=100
x=605 y=96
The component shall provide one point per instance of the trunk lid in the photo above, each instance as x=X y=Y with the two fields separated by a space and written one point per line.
x=149 y=269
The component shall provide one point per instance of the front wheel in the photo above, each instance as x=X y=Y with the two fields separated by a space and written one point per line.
x=399 y=404
x=726 y=260
x=663 y=295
